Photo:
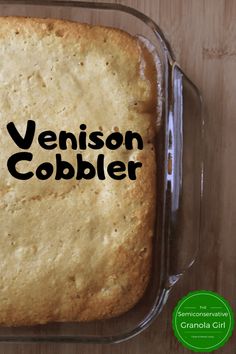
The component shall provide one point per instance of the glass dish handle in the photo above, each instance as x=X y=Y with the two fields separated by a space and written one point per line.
x=184 y=174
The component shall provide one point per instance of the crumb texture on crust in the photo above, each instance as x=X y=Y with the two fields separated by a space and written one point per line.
x=74 y=250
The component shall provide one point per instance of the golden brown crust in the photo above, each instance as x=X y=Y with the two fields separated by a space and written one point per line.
x=75 y=251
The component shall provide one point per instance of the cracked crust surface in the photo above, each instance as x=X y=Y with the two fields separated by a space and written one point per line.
x=74 y=250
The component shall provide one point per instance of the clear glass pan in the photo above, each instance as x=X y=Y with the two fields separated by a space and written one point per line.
x=179 y=180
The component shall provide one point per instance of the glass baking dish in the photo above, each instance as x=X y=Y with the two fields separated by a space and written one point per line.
x=179 y=177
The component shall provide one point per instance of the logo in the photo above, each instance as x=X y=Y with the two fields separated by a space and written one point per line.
x=203 y=321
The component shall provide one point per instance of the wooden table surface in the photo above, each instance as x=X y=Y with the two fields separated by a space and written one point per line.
x=203 y=36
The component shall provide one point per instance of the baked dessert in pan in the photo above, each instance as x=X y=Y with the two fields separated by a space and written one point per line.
x=78 y=248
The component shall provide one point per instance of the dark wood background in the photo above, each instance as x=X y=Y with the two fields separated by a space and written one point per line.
x=203 y=36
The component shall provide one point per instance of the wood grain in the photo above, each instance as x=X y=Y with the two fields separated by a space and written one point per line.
x=203 y=36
